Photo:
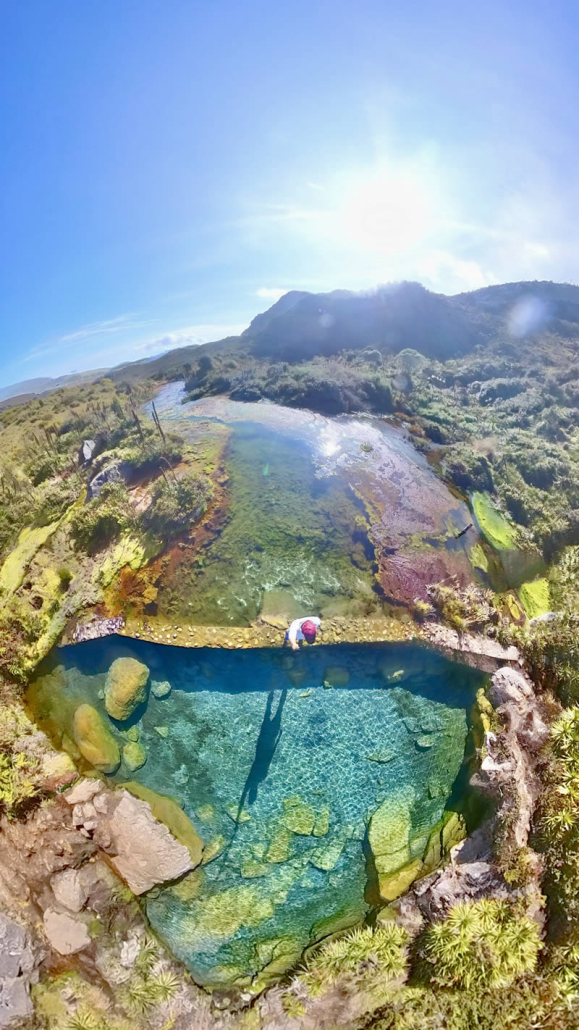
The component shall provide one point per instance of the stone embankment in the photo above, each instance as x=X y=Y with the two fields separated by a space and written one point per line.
x=475 y=650
x=507 y=775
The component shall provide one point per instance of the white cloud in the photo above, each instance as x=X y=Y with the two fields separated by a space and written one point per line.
x=270 y=292
x=191 y=335
x=441 y=270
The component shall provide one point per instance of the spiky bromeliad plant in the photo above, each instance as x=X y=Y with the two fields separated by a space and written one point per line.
x=480 y=944
x=559 y=818
x=365 y=956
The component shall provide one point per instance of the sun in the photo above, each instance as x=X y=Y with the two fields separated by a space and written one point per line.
x=387 y=211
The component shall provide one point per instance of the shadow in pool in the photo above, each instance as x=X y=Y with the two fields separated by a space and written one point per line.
x=265 y=748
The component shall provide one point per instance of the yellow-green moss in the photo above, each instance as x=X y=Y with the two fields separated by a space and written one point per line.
x=495 y=528
x=535 y=597
x=30 y=541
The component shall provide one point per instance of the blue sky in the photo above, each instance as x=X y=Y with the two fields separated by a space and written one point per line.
x=168 y=169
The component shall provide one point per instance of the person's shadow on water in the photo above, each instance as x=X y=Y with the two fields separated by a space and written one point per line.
x=265 y=748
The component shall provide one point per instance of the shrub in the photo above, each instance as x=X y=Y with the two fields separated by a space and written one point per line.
x=44 y=465
x=480 y=944
x=176 y=502
x=365 y=956
x=53 y=499
x=65 y=577
x=16 y=785
x=102 y=519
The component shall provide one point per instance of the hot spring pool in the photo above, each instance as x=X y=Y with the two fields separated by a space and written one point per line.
x=280 y=762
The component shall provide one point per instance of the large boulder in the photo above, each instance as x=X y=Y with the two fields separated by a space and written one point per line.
x=172 y=815
x=125 y=688
x=142 y=850
x=94 y=740
x=115 y=472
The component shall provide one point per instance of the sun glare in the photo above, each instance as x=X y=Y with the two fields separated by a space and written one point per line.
x=387 y=211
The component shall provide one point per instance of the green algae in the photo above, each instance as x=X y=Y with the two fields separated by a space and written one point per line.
x=495 y=528
x=128 y=551
x=535 y=597
x=31 y=539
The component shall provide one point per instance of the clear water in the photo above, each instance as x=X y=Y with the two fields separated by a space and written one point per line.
x=248 y=741
x=332 y=515
x=289 y=541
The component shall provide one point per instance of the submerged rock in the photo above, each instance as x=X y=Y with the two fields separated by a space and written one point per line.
x=336 y=676
x=389 y=837
x=126 y=687
x=160 y=688
x=134 y=755
x=95 y=742
x=298 y=817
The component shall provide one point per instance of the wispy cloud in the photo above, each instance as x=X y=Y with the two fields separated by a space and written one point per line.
x=189 y=336
x=270 y=292
x=92 y=330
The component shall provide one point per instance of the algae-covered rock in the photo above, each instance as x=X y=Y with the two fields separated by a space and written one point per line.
x=279 y=955
x=395 y=884
x=280 y=845
x=481 y=715
x=322 y=823
x=424 y=742
x=125 y=688
x=336 y=676
x=251 y=868
x=167 y=811
x=94 y=740
x=382 y=757
x=134 y=755
x=213 y=849
x=160 y=688
x=58 y=770
x=298 y=816
x=327 y=857
x=389 y=835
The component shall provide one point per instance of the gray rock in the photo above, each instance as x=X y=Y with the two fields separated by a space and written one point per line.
x=83 y=791
x=510 y=686
x=143 y=851
x=116 y=472
x=86 y=452
x=17 y=963
x=66 y=934
x=68 y=889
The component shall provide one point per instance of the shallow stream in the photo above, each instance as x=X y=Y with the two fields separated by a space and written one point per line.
x=338 y=516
